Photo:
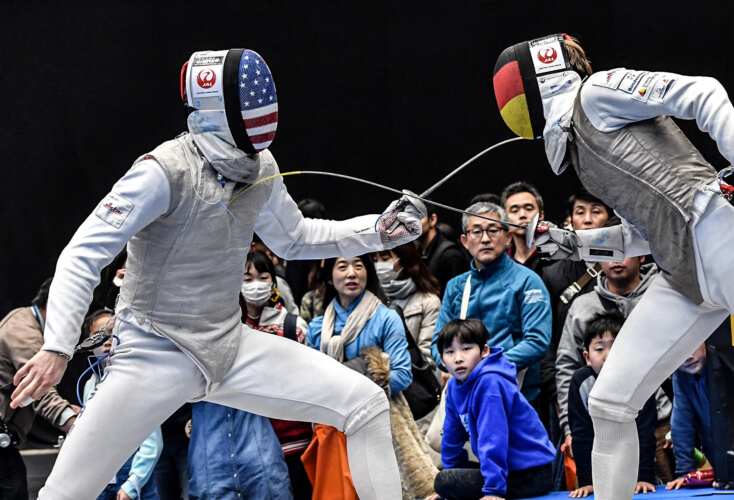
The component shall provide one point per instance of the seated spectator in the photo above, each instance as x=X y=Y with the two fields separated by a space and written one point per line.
x=312 y=303
x=408 y=283
x=508 y=298
x=135 y=479
x=618 y=288
x=359 y=330
x=444 y=257
x=691 y=415
x=21 y=337
x=297 y=271
x=282 y=285
x=522 y=201
x=484 y=406
x=599 y=335
x=267 y=467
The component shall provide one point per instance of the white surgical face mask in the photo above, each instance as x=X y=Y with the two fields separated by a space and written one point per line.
x=386 y=271
x=257 y=293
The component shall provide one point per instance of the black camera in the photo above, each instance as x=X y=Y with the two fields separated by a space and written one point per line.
x=8 y=437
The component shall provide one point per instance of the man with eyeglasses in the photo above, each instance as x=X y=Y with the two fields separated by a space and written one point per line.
x=507 y=297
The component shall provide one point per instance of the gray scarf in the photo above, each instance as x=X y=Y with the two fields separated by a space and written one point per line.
x=333 y=345
x=399 y=289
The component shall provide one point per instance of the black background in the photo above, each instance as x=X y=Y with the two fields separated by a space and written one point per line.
x=397 y=92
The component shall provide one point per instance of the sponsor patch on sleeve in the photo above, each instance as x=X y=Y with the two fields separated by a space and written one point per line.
x=611 y=79
x=631 y=80
x=533 y=296
x=114 y=209
x=644 y=89
x=661 y=88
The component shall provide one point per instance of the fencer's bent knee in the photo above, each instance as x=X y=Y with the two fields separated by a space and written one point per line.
x=375 y=403
x=599 y=409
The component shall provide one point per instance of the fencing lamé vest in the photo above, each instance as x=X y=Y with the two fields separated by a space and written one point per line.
x=649 y=172
x=185 y=270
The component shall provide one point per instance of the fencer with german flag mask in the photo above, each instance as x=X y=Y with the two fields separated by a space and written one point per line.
x=614 y=127
x=178 y=332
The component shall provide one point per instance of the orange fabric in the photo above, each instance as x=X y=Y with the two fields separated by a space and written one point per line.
x=327 y=465
x=569 y=466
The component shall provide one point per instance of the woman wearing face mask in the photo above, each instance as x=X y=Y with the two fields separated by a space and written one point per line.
x=267 y=452
x=359 y=330
x=135 y=478
x=409 y=284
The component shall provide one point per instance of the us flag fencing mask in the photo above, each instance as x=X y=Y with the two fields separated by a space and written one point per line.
x=516 y=77
x=230 y=93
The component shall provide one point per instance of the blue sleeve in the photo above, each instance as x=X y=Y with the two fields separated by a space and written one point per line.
x=445 y=314
x=493 y=439
x=396 y=346
x=143 y=464
x=683 y=429
x=582 y=433
x=313 y=335
x=536 y=323
x=647 y=421
x=453 y=454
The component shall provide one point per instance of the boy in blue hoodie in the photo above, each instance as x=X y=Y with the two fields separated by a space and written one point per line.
x=485 y=406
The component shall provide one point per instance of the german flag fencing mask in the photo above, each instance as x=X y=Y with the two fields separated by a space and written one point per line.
x=516 y=77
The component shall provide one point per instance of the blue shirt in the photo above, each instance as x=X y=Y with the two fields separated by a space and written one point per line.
x=514 y=305
x=505 y=431
x=384 y=330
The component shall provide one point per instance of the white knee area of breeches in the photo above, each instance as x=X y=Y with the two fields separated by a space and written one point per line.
x=374 y=405
x=615 y=456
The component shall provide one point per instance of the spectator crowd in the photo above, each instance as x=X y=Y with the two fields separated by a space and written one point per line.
x=486 y=351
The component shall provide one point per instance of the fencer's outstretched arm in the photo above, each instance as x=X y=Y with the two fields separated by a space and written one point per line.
x=604 y=244
x=142 y=195
x=286 y=232
x=698 y=98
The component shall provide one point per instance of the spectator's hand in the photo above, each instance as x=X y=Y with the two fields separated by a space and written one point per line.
x=491 y=498
x=435 y=496
x=644 y=487
x=121 y=495
x=567 y=444
x=401 y=222
x=187 y=429
x=445 y=377
x=676 y=484
x=67 y=425
x=668 y=444
x=42 y=372
x=582 y=492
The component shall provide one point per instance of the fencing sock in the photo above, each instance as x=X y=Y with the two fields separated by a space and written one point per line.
x=615 y=459
x=372 y=460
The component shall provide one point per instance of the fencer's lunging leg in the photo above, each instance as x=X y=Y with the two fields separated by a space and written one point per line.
x=616 y=453
x=372 y=459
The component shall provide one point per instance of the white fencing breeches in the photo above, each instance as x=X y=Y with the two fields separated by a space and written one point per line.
x=149 y=378
x=664 y=329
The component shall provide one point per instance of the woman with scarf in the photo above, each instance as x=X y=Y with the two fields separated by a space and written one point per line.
x=359 y=330
x=408 y=283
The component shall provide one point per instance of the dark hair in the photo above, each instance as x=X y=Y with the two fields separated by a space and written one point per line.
x=469 y=331
x=312 y=209
x=521 y=187
x=582 y=194
x=42 y=295
x=416 y=269
x=485 y=198
x=373 y=282
x=261 y=262
x=91 y=317
x=601 y=323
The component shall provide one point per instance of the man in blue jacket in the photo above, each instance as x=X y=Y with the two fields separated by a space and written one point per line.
x=508 y=298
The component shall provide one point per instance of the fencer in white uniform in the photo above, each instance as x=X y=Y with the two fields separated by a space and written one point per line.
x=615 y=128
x=178 y=320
